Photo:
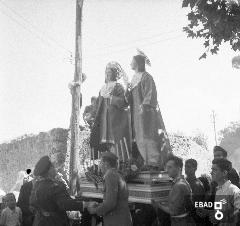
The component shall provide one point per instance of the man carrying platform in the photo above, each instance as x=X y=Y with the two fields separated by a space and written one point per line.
x=49 y=199
x=180 y=202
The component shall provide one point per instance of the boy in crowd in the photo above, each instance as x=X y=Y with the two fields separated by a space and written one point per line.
x=11 y=215
x=197 y=187
x=226 y=192
x=220 y=153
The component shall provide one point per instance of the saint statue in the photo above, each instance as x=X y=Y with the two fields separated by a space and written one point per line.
x=111 y=128
x=147 y=124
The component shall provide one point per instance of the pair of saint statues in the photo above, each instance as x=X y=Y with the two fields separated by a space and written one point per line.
x=128 y=120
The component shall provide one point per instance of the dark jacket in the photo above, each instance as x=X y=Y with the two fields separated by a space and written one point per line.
x=114 y=209
x=51 y=201
x=23 y=203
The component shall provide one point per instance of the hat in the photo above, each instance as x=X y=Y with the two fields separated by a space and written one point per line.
x=42 y=166
x=109 y=155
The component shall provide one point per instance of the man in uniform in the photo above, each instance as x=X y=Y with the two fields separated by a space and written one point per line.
x=23 y=203
x=49 y=199
x=114 y=209
x=180 y=196
x=197 y=187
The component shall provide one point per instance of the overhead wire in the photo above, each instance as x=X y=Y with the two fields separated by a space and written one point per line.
x=70 y=59
x=36 y=28
x=25 y=28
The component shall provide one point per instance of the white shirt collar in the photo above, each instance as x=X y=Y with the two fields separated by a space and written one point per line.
x=226 y=184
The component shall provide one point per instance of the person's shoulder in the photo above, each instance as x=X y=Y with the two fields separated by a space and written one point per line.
x=5 y=211
x=198 y=182
x=234 y=188
x=234 y=172
x=182 y=184
x=27 y=185
x=46 y=184
x=146 y=75
x=112 y=174
x=18 y=209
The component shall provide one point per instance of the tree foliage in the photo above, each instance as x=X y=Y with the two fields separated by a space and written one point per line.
x=216 y=21
x=201 y=139
x=230 y=137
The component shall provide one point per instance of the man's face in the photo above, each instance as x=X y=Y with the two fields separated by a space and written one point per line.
x=11 y=202
x=93 y=102
x=171 y=169
x=217 y=173
x=189 y=169
x=52 y=172
x=103 y=167
x=218 y=155
x=133 y=64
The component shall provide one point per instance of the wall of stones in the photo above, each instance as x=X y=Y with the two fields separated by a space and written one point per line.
x=23 y=153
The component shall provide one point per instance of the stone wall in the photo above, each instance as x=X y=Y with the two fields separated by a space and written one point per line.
x=24 y=152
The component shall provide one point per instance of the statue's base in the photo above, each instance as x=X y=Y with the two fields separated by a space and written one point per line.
x=147 y=186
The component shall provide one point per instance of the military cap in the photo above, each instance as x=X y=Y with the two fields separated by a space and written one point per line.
x=218 y=148
x=42 y=166
x=109 y=155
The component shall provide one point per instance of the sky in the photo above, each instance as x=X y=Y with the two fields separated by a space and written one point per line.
x=38 y=39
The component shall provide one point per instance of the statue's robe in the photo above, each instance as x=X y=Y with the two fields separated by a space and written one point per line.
x=112 y=122
x=147 y=122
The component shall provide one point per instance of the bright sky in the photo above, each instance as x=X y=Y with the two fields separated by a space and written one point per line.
x=37 y=36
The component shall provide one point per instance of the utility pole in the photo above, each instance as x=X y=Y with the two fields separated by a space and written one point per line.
x=76 y=96
x=214 y=125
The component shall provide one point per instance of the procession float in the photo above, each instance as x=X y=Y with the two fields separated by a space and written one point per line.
x=146 y=182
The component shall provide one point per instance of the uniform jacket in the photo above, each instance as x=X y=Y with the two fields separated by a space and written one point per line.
x=23 y=203
x=114 y=209
x=51 y=202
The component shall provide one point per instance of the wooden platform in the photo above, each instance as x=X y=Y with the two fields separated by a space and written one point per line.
x=146 y=187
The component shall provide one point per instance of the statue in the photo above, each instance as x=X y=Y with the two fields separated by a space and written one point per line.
x=111 y=131
x=147 y=124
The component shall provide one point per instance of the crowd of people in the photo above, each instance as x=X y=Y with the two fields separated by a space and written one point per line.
x=44 y=199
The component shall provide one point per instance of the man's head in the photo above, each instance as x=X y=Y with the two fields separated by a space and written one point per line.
x=190 y=167
x=220 y=169
x=219 y=152
x=138 y=63
x=45 y=168
x=10 y=200
x=174 y=166
x=93 y=100
x=108 y=160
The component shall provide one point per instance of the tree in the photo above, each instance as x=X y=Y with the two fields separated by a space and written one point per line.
x=216 y=21
x=230 y=137
x=236 y=62
x=201 y=139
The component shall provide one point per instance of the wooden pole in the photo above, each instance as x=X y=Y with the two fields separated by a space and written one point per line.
x=214 y=126
x=76 y=96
